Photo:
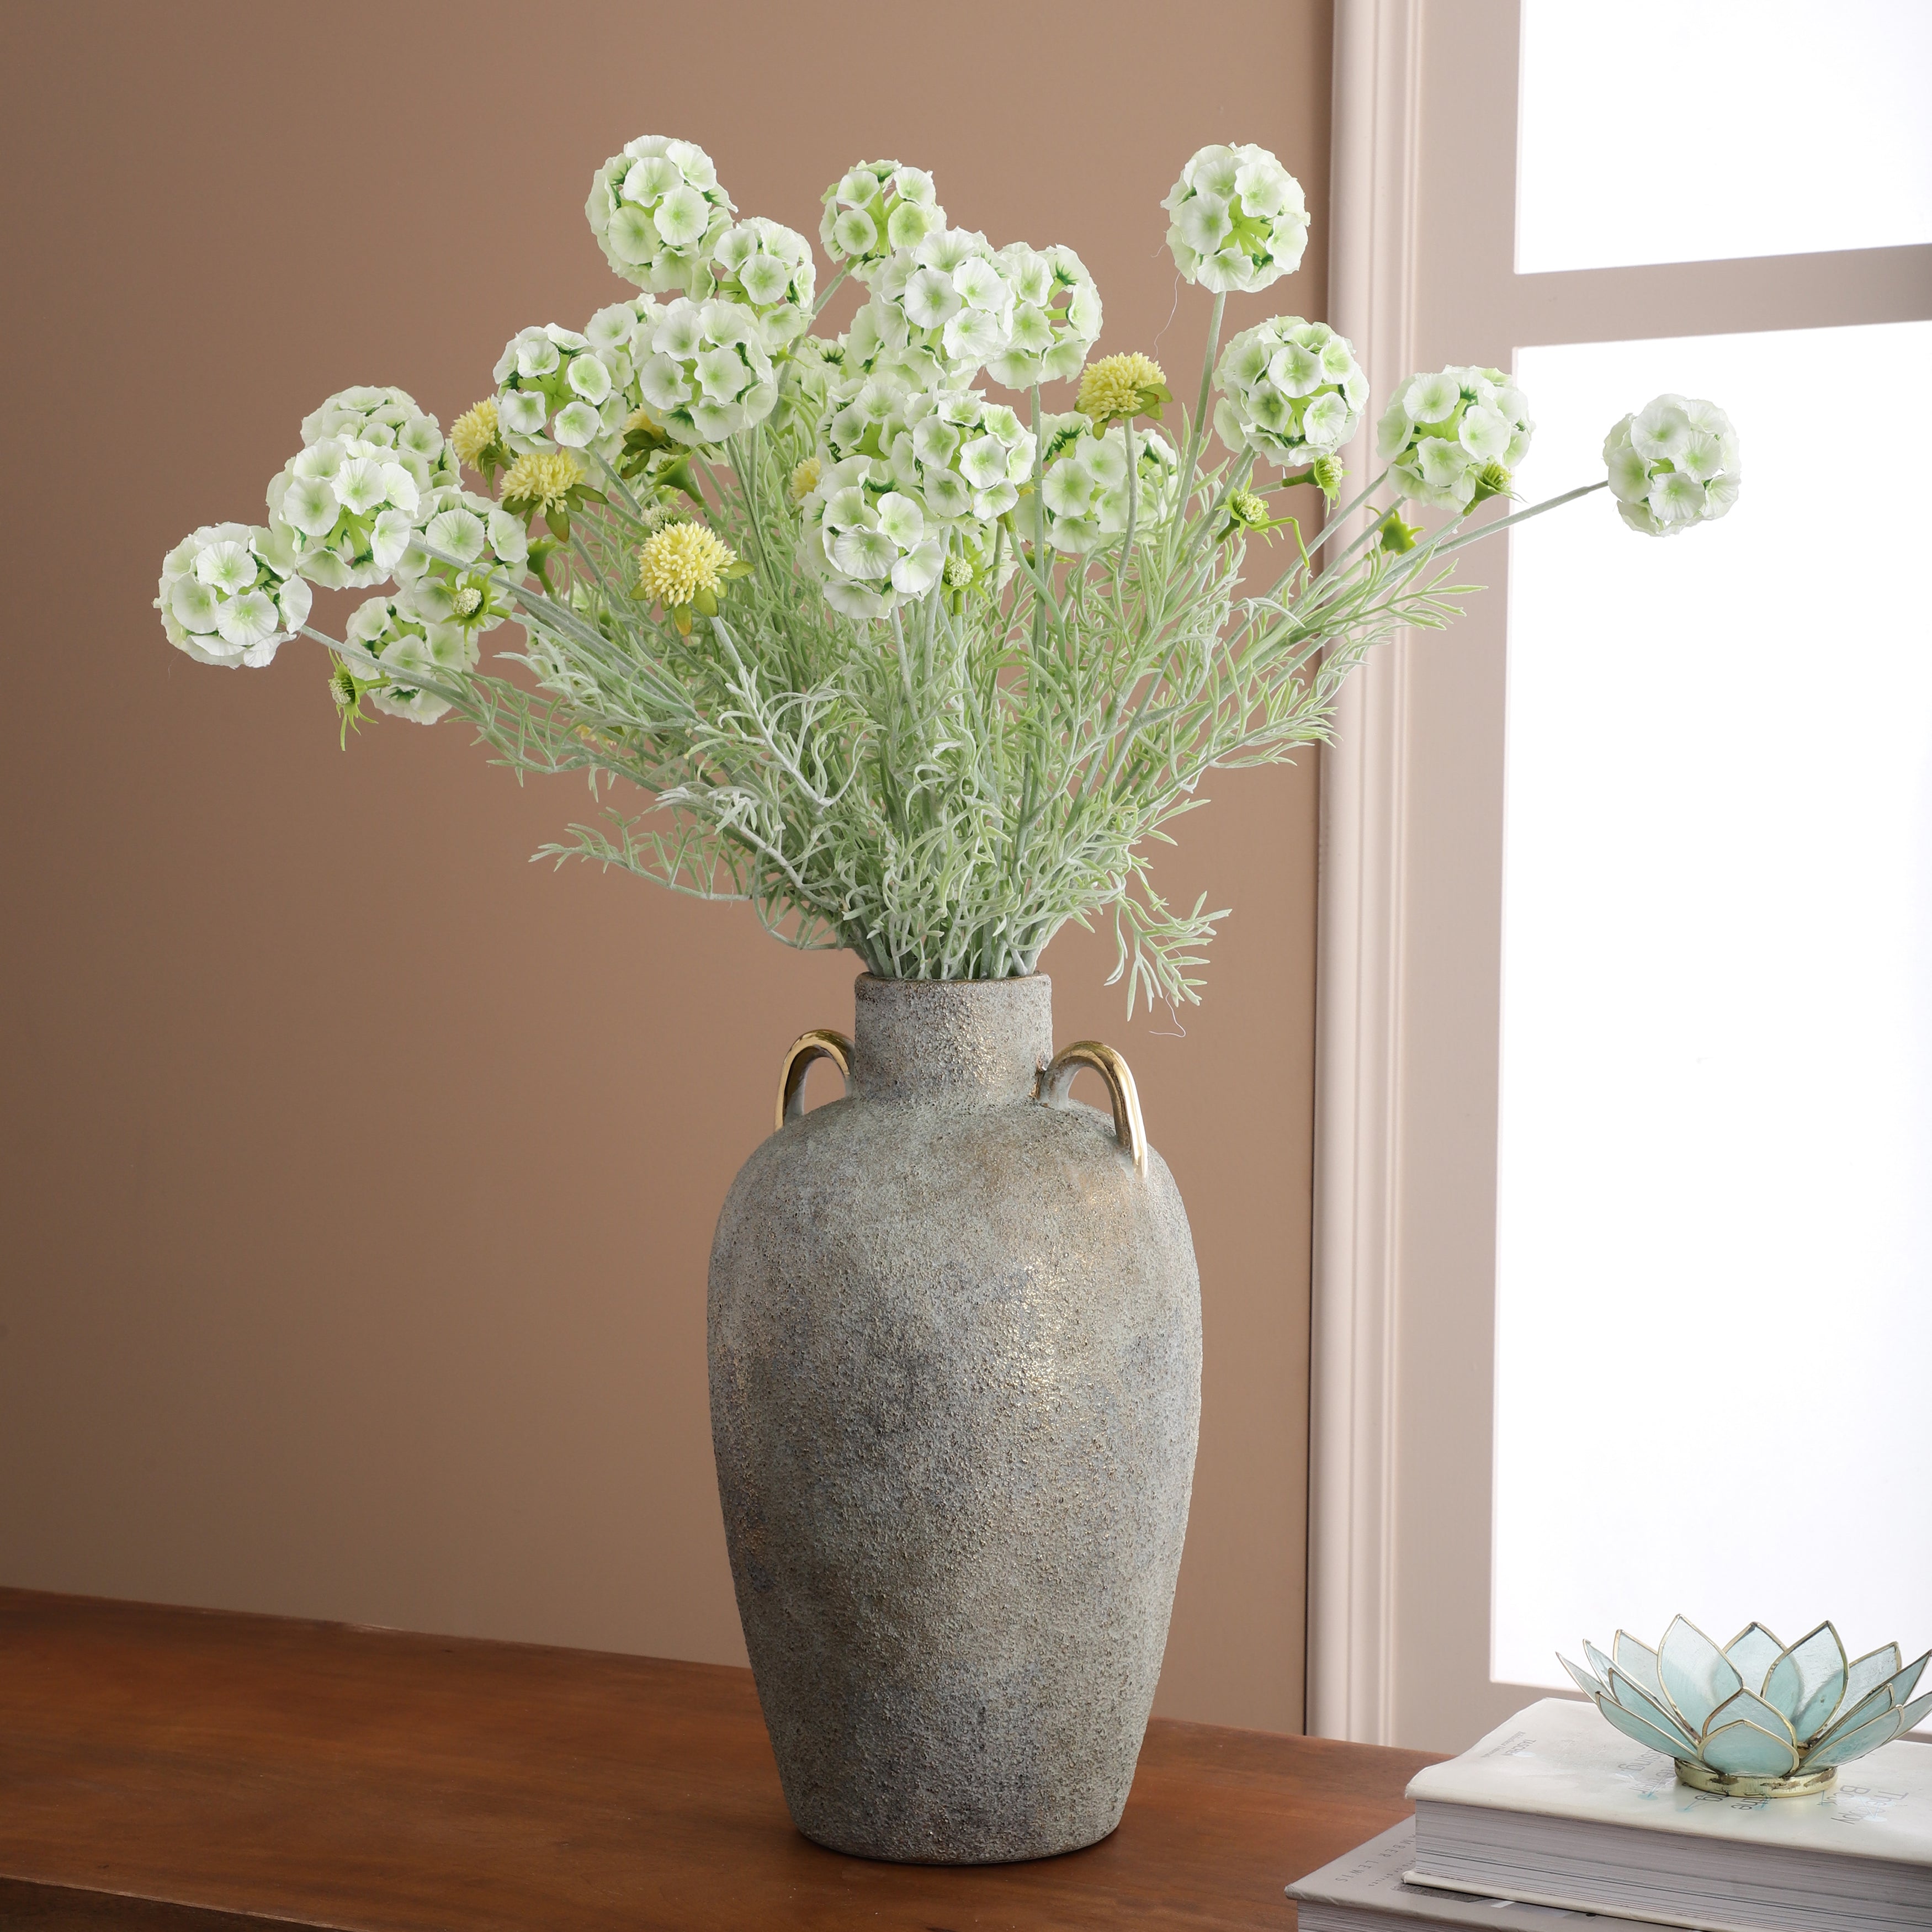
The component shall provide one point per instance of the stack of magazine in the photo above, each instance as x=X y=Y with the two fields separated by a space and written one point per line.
x=1557 y=1818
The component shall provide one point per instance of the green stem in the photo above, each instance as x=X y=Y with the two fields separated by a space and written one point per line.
x=1197 y=433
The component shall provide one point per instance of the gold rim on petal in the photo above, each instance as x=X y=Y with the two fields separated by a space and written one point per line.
x=1724 y=1784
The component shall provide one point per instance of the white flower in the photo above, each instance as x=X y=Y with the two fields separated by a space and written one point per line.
x=1084 y=492
x=867 y=543
x=939 y=313
x=389 y=419
x=807 y=377
x=492 y=550
x=707 y=376
x=769 y=269
x=1238 y=220
x=345 y=510
x=557 y=388
x=1056 y=316
x=1453 y=436
x=873 y=211
x=957 y=454
x=1291 y=391
x=657 y=210
x=1672 y=465
x=229 y=594
x=387 y=645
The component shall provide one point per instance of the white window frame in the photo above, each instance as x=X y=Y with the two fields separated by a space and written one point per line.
x=1422 y=271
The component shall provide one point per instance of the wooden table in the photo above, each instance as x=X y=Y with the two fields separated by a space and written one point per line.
x=192 y=1770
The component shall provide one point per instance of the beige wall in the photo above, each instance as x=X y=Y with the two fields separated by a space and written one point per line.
x=359 y=1176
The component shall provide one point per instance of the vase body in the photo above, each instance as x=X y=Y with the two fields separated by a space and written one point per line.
x=954 y=1342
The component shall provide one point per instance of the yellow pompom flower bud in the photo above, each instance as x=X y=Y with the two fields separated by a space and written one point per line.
x=804 y=478
x=474 y=436
x=1119 y=387
x=684 y=567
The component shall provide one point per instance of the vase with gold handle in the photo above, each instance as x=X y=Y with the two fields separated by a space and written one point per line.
x=955 y=1339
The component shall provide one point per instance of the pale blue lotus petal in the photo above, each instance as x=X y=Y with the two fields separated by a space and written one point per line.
x=1657 y=1716
x=1585 y=1682
x=1875 y=1704
x=1808 y=1682
x=1744 y=1750
x=1635 y=1727
x=1870 y=1672
x=1638 y=1662
x=1854 y=1743
x=1599 y=1663
x=1753 y=1652
x=1746 y=1706
x=1697 y=1676
x=1914 y=1714
x=1903 y=1683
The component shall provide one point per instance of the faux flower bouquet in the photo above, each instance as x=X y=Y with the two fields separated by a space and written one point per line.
x=829 y=625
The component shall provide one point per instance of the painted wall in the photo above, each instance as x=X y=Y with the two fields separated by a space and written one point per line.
x=358 y=1175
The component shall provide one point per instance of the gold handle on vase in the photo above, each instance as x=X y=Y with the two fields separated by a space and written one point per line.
x=1056 y=1082
x=820 y=1043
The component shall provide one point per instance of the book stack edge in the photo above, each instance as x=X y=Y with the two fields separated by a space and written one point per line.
x=1556 y=1816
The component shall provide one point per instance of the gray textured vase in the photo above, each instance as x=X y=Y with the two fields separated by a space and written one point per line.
x=955 y=1362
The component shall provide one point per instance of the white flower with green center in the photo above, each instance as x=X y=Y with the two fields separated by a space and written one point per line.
x=939 y=312
x=1238 y=220
x=490 y=546
x=863 y=412
x=346 y=511
x=870 y=545
x=229 y=594
x=1291 y=391
x=1672 y=465
x=875 y=211
x=392 y=419
x=958 y=456
x=556 y=388
x=657 y=212
x=708 y=376
x=1084 y=490
x=1453 y=437
x=1056 y=316
x=390 y=648
x=767 y=268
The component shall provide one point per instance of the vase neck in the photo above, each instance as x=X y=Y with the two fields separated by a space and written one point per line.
x=968 y=1043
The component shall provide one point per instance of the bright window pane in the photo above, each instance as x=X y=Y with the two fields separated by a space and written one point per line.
x=1714 y=1300
x=1684 y=130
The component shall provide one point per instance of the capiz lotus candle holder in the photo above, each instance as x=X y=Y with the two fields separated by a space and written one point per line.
x=1758 y=1718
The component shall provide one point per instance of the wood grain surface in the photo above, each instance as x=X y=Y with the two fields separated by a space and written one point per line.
x=189 y=1771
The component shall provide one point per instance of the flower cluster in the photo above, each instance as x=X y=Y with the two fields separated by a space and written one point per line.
x=477 y=438
x=387 y=645
x=390 y=419
x=1291 y=391
x=708 y=376
x=1084 y=492
x=1238 y=221
x=767 y=268
x=869 y=544
x=346 y=510
x=556 y=387
x=657 y=210
x=491 y=552
x=1453 y=437
x=1672 y=464
x=229 y=594
x=957 y=455
x=1056 y=316
x=939 y=313
x=873 y=211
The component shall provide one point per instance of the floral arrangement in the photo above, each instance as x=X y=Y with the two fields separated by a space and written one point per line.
x=828 y=625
